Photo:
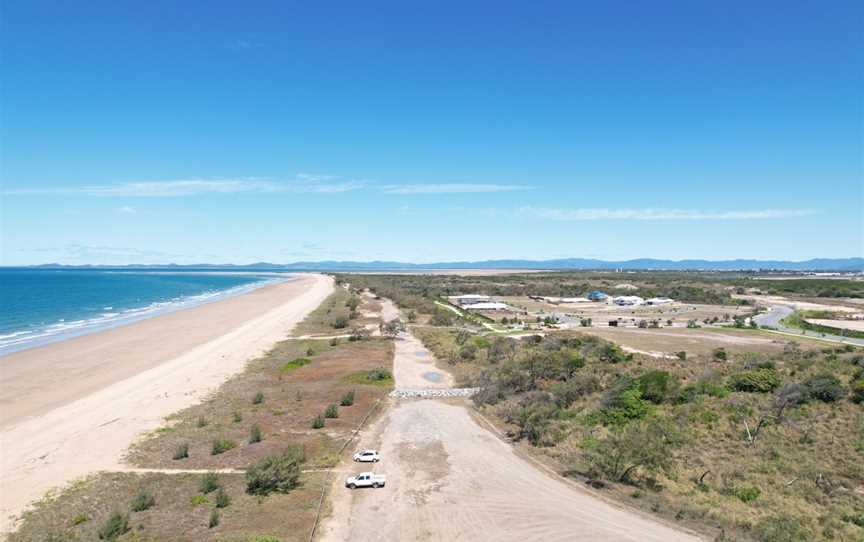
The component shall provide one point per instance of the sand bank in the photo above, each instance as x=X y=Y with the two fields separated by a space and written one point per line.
x=72 y=408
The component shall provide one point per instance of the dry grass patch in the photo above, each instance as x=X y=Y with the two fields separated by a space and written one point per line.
x=292 y=399
x=180 y=512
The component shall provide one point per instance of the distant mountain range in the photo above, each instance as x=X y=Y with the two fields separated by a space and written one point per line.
x=819 y=264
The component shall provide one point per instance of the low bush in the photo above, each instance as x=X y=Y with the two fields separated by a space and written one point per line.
x=347 y=399
x=690 y=392
x=209 y=482
x=258 y=399
x=255 y=434
x=623 y=403
x=825 y=387
x=201 y=421
x=238 y=417
x=782 y=528
x=318 y=422
x=114 y=527
x=379 y=374
x=755 y=381
x=222 y=445
x=294 y=364
x=182 y=451
x=858 y=390
x=222 y=499
x=656 y=386
x=214 y=519
x=142 y=501
x=568 y=392
x=747 y=494
x=275 y=473
x=198 y=500
x=341 y=322
x=80 y=518
x=332 y=411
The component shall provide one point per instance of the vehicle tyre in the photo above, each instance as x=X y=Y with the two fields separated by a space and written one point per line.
x=375 y=485
x=352 y=486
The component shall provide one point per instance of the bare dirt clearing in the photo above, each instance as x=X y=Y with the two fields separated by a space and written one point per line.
x=448 y=478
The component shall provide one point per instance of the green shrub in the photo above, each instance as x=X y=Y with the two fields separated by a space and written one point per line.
x=182 y=451
x=755 y=381
x=222 y=445
x=825 y=387
x=340 y=322
x=690 y=392
x=255 y=434
x=379 y=375
x=624 y=404
x=747 y=494
x=222 y=499
x=533 y=414
x=294 y=364
x=237 y=416
x=332 y=411
x=858 y=390
x=115 y=526
x=347 y=399
x=214 y=518
x=719 y=354
x=275 y=473
x=318 y=422
x=568 y=392
x=656 y=386
x=334 y=341
x=209 y=482
x=142 y=501
x=258 y=399
x=198 y=500
x=682 y=355
x=80 y=518
x=783 y=528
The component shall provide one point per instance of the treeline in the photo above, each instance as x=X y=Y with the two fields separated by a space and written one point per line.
x=414 y=291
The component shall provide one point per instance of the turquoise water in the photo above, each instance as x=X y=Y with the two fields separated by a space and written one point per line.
x=38 y=306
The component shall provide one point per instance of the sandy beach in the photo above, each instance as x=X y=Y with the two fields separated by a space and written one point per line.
x=72 y=408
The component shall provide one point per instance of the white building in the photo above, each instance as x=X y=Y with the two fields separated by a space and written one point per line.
x=489 y=306
x=626 y=300
x=468 y=299
x=659 y=301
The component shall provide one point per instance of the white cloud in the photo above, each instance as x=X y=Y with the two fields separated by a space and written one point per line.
x=191 y=187
x=451 y=188
x=126 y=210
x=660 y=214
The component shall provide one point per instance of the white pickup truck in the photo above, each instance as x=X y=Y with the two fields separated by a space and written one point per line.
x=365 y=479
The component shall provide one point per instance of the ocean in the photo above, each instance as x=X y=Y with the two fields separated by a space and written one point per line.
x=40 y=306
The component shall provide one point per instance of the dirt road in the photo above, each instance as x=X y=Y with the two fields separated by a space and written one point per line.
x=448 y=478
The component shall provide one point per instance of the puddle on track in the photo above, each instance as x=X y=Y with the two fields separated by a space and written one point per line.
x=433 y=377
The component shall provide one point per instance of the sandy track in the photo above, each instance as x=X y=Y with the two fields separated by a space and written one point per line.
x=416 y=367
x=448 y=478
x=93 y=432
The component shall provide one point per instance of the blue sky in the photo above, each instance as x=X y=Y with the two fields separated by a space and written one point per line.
x=151 y=132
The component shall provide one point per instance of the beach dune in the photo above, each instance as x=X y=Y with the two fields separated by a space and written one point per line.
x=72 y=408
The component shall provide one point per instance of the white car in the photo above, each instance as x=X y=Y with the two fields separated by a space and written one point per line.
x=367 y=456
x=366 y=479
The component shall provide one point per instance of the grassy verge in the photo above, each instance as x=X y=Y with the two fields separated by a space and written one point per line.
x=798 y=319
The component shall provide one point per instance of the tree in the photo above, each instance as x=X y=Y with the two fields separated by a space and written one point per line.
x=275 y=473
x=502 y=349
x=392 y=328
x=648 y=446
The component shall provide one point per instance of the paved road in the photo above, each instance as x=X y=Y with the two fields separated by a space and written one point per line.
x=778 y=312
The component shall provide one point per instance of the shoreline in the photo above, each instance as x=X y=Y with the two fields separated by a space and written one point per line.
x=68 y=410
x=45 y=336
